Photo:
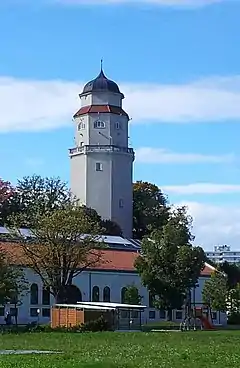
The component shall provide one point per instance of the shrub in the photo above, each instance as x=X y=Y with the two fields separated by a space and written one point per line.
x=234 y=318
x=97 y=325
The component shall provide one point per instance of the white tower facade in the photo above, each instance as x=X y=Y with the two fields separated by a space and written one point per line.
x=101 y=161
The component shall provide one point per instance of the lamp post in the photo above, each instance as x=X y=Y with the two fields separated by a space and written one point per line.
x=38 y=313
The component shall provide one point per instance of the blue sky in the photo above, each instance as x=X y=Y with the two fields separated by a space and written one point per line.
x=179 y=70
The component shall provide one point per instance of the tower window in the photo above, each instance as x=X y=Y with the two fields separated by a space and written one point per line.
x=117 y=125
x=121 y=203
x=99 y=124
x=99 y=166
x=81 y=126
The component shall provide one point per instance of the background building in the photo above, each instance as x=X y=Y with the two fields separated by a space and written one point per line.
x=223 y=253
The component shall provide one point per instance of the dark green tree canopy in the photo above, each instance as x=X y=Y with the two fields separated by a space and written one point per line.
x=169 y=265
x=150 y=209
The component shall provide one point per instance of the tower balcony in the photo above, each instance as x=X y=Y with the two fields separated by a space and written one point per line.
x=100 y=148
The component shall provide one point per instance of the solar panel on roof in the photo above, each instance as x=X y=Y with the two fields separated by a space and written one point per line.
x=26 y=232
x=4 y=230
x=115 y=239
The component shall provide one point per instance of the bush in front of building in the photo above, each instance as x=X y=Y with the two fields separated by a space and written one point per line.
x=234 y=318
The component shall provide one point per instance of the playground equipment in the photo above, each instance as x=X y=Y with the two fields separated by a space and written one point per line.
x=197 y=313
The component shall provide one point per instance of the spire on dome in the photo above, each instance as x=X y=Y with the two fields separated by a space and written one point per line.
x=101 y=84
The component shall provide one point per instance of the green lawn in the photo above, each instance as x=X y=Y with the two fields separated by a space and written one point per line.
x=117 y=350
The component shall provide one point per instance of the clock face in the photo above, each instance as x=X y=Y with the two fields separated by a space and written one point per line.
x=99 y=124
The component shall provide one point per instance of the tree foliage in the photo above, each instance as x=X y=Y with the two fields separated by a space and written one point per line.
x=215 y=292
x=233 y=273
x=6 y=195
x=37 y=195
x=169 y=265
x=12 y=280
x=59 y=249
x=132 y=296
x=150 y=209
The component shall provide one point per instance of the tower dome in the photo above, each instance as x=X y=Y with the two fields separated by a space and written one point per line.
x=101 y=84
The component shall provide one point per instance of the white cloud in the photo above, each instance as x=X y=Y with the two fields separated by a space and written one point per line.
x=164 y=156
x=162 y=3
x=215 y=225
x=201 y=188
x=166 y=3
x=41 y=105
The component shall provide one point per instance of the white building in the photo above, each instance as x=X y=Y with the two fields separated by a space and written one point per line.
x=101 y=178
x=223 y=253
x=105 y=282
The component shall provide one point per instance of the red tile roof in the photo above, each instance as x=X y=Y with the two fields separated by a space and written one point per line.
x=100 y=109
x=111 y=260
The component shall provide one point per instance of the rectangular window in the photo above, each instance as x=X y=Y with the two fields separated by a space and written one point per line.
x=152 y=314
x=214 y=315
x=135 y=314
x=34 y=312
x=2 y=311
x=162 y=314
x=99 y=166
x=46 y=312
x=117 y=125
x=178 y=314
x=120 y=203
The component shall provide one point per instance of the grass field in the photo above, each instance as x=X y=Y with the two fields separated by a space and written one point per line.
x=119 y=350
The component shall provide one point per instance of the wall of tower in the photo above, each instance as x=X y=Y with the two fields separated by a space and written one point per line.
x=78 y=175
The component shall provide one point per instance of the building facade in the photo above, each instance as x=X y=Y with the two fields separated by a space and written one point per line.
x=223 y=253
x=102 y=161
x=106 y=282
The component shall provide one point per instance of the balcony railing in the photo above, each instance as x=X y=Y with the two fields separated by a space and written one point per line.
x=100 y=148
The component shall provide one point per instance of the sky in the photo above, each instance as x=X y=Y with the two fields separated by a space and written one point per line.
x=177 y=63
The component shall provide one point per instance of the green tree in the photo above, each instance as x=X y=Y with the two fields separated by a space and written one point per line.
x=150 y=209
x=132 y=296
x=13 y=284
x=6 y=197
x=34 y=194
x=233 y=273
x=59 y=248
x=234 y=299
x=111 y=228
x=215 y=292
x=169 y=265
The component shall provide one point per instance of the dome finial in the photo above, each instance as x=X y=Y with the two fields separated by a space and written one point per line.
x=101 y=65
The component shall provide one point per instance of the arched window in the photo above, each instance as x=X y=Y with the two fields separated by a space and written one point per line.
x=34 y=294
x=95 y=294
x=81 y=126
x=106 y=294
x=98 y=124
x=46 y=296
x=123 y=295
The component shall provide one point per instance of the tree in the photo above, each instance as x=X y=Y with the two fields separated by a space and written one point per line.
x=215 y=292
x=111 y=228
x=34 y=194
x=13 y=284
x=64 y=243
x=169 y=265
x=150 y=209
x=131 y=295
x=6 y=195
x=233 y=273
